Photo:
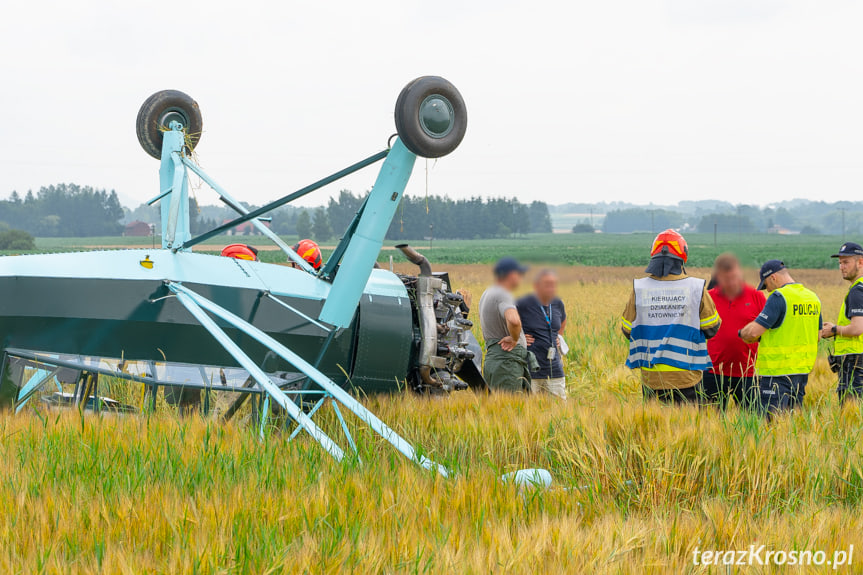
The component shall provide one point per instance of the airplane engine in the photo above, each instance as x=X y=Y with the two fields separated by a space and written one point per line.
x=448 y=356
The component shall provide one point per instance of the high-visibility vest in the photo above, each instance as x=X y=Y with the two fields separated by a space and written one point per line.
x=667 y=326
x=847 y=345
x=792 y=347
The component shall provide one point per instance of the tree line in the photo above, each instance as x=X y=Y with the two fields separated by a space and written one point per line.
x=76 y=211
x=64 y=210
x=420 y=217
x=802 y=217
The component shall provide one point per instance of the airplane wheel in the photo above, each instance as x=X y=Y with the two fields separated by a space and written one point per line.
x=431 y=117
x=159 y=110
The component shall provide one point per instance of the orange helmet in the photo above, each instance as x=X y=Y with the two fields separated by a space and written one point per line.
x=240 y=252
x=671 y=243
x=309 y=251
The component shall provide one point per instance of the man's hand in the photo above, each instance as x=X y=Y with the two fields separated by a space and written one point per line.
x=752 y=332
x=827 y=330
x=529 y=339
x=513 y=326
x=507 y=343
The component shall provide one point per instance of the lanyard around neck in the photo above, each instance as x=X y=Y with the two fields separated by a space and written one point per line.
x=547 y=315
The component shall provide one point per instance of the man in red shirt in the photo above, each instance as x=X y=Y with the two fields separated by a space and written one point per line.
x=737 y=303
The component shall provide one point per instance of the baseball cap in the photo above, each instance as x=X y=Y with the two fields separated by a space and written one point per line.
x=507 y=265
x=849 y=249
x=769 y=268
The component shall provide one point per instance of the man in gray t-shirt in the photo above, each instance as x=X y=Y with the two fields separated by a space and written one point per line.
x=493 y=305
x=507 y=362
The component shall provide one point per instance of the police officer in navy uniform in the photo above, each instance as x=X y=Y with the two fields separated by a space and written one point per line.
x=788 y=328
x=848 y=330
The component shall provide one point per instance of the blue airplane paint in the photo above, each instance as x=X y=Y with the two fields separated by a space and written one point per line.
x=365 y=245
x=190 y=267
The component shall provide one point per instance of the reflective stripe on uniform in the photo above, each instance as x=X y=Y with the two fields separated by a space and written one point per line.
x=679 y=360
x=710 y=321
x=663 y=368
x=683 y=346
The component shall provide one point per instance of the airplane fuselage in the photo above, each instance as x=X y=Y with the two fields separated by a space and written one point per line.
x=115 y=304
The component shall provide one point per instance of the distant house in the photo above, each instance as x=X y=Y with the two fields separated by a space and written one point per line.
x=244 y=229
x=137 y=228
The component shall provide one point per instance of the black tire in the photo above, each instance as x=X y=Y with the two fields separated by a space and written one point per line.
x=156 y=113
x=431 y=117
x=401 y=99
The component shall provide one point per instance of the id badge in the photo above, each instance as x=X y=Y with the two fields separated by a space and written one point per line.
x=552 y=352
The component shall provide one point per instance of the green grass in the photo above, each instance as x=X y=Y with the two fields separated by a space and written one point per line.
x=565 y=249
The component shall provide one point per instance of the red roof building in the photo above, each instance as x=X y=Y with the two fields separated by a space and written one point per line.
x=244 y=229
x=137 y=228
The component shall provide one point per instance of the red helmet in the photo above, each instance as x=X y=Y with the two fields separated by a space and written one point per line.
x=240 y=252
x=309 y=251
x=671 y=243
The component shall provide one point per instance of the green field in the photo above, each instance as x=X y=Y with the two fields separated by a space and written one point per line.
x=562 y=249
x=633 y=250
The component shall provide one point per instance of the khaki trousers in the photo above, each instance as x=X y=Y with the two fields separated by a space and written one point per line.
x=552 y=385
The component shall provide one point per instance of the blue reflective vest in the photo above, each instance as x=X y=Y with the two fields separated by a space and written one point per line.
x=667 y=326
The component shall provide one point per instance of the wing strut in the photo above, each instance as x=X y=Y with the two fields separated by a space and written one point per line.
x=191 y=301
x=196 y=304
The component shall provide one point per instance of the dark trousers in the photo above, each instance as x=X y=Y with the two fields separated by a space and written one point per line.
x=850 y=377
x=782 y=392
x=672 y=396
x=717 y=390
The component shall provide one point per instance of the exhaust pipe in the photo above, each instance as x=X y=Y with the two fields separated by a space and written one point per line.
x=427 y=285
x=416 y=258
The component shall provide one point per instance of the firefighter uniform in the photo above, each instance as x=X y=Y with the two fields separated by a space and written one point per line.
x=668 y=319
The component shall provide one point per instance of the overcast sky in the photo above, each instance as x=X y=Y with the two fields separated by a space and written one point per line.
x=644 y=100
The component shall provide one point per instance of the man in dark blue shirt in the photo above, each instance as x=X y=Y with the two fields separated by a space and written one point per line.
x=783 y=390
x=543 y=318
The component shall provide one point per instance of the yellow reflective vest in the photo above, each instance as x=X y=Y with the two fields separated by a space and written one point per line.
x=792 y=347
x=847 y=345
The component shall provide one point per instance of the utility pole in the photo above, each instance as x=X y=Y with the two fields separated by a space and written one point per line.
x=843 y=224
x=431 y=235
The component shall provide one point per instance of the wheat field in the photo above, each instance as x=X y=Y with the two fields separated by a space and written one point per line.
x=637 y=488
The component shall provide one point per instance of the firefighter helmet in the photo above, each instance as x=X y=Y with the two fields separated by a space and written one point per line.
x=309 y=251
x=240 y=252
x=670 y=243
